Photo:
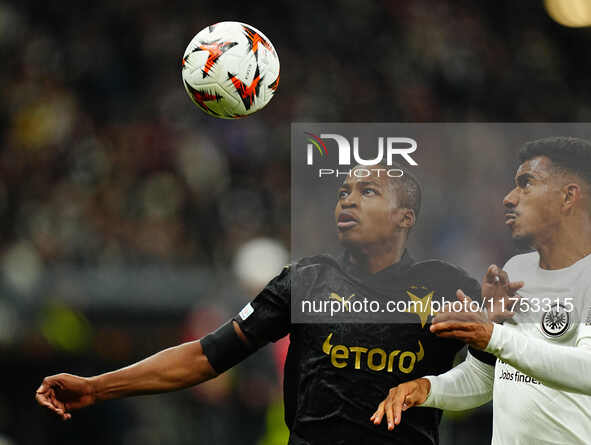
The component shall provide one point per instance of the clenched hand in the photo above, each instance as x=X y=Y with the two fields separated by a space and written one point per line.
x=63 y=393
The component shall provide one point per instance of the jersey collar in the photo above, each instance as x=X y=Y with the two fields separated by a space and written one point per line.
x=382 y=278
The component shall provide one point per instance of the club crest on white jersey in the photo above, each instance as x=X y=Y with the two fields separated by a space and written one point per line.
x=556 y=322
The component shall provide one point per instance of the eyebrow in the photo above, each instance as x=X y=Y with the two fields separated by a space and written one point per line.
x=360 y=184
x=523 y=176
x=366 y=183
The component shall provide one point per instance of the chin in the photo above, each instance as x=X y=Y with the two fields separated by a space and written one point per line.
x=523 y=242
x=349 y=240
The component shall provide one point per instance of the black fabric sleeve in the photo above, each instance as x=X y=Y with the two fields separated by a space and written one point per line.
x=268 y=317
x=224 y=349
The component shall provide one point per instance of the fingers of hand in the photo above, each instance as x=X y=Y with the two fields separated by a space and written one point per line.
x=460 y=295
x=475 y=334
x=503 y=278
x=58 y=403
x=463 y=297
x=46 y=397
x=44 y=400
x=51 y=405
x=492 y=274
x=451 y=325
x=501 y=313
x=399 y=399
x=457 y=335
x=464 y=317
x=443 y=317
x=398 y=404
x=391 y=407
x=379 y=414
x=498 y=318
x=514 y=287
x=463 y=336
x=390 y=416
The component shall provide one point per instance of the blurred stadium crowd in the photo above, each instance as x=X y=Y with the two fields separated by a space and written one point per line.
x=128 y=216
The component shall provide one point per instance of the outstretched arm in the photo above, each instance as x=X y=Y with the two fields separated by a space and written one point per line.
x=561 y=367
x=171 y=369
x=263 y=320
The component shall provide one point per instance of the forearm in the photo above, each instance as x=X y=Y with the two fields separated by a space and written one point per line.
x=174 y=368
x=468 y=385
x=561 y=367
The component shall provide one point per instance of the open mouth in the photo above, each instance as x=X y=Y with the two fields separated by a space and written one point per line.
x=510 y=217
x=346 y=221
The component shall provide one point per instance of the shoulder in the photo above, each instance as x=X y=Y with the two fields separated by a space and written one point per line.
x=314 y=263
x=445 y=277
x=522 y=261
x=308 y=269
x=440 y=267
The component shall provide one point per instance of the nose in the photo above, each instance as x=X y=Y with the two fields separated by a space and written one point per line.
x=511 y=199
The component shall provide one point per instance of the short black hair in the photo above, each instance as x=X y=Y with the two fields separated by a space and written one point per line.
x=569 y=154
x=410 y=191
x=408 y=187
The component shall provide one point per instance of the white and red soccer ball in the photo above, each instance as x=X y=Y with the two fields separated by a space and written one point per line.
x=230 y=70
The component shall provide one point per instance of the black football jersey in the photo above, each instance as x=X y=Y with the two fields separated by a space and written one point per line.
x=336 y=373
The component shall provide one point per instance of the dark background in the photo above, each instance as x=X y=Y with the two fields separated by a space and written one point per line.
x=132 y=221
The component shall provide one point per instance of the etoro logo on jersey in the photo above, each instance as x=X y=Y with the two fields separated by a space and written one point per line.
x=388 y=149
x=375 y=359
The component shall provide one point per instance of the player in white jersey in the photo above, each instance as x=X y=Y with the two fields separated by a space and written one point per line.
x=541 y=384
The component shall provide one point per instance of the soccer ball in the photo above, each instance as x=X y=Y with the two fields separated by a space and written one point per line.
x=230 y=70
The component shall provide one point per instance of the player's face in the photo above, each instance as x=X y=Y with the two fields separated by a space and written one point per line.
x=367 y=210
x=532 y=208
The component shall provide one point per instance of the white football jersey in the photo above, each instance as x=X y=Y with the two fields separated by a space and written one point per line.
x=555 y=307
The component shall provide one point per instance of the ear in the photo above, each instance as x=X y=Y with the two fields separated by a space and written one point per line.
x=407 y=219
x=571 y=194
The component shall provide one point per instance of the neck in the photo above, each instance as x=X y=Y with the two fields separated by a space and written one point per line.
x=565 y=246
x=376 y=257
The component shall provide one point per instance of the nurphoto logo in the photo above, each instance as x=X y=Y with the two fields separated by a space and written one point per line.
x=387 y=149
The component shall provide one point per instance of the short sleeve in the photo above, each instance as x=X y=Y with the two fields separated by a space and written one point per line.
x=267 y=318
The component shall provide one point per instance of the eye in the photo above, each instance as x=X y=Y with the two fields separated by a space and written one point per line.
x=369 y=192
x=343 y=194
x=524 y=181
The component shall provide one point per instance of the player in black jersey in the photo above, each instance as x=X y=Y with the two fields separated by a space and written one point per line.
x=336 y=369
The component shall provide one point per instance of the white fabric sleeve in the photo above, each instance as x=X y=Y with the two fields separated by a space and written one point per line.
x=565 y=368
x=468 y=385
